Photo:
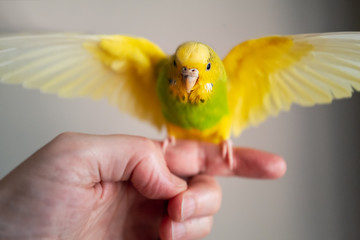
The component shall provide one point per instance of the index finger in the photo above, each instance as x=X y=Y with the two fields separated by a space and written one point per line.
x=187 y=158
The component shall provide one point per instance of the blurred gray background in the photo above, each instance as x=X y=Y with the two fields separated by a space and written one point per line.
x=319 y=198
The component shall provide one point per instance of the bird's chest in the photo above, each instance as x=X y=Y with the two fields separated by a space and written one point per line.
x=197 y=116
x=200 y=115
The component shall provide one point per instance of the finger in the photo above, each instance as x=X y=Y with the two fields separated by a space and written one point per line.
x=92 y=159
x=202 y=198
x=188 y=158
x=196 y=228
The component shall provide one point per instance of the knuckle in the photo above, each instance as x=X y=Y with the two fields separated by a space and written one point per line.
x=71 y=145
x=65 y=137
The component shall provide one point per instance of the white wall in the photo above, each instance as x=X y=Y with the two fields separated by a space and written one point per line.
x=319 y=196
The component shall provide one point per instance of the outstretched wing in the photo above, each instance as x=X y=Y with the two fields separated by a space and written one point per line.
x=121 y=68
x=267 y=75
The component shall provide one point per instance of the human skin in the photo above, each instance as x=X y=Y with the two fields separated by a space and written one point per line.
x=82 y=186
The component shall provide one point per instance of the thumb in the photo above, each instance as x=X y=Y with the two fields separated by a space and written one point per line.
x=151 y=177
x=137 y=160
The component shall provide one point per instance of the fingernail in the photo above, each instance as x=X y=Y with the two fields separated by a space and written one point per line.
x=178 y=230
x=188 y=206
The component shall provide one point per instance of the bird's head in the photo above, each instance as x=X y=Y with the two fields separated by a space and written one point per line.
x=194 y=72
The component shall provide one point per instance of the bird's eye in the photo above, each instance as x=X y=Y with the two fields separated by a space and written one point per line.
x=174 y=63
x=208 y=66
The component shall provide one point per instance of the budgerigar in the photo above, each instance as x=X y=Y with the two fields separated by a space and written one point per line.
x=194 y=93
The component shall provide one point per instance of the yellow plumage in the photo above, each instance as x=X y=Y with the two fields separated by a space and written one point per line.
x=264 y=76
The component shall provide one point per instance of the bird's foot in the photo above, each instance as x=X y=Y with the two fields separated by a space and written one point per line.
x=170 y=140
x=227 y=153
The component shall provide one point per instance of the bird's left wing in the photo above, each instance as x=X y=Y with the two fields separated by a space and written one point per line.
x=268 y=74
x=121 y=68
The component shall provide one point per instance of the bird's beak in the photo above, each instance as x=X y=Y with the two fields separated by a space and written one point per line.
x=189 y=77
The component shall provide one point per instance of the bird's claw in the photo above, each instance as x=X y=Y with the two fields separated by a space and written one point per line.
x=227 y=153
x=170 y=140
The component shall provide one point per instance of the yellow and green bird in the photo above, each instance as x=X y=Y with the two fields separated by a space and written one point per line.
x=194 y=93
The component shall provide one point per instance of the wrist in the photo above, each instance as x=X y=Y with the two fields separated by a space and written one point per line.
x=16 y=218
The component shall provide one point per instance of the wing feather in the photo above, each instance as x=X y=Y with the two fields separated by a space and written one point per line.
x=120 y=68
x=269 y=74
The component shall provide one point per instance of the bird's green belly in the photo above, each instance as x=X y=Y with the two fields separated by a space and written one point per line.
x=194 y=116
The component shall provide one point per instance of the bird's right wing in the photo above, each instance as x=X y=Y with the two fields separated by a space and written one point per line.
x=120 y=68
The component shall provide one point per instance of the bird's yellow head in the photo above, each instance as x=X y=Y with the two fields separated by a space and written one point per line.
x=194 y=72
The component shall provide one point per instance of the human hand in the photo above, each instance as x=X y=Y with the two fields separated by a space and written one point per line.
x=82 y=186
